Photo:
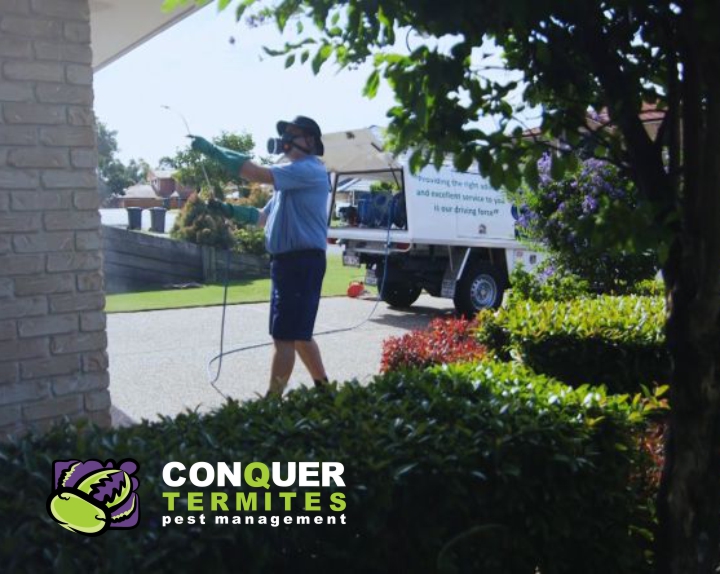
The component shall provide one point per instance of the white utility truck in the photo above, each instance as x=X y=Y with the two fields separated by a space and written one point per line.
x=447 y=232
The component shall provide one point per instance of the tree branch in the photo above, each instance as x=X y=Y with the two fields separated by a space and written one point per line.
x=621 y=90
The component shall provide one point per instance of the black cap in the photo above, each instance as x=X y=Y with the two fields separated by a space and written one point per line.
x=307 y=125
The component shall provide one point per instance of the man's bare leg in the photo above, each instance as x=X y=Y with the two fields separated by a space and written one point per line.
x=281 y=368
x=309 y=354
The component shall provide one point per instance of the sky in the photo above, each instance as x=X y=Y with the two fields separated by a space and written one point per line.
x=217 y=85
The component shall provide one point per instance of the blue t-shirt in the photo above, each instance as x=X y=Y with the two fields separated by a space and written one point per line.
x=297 y=213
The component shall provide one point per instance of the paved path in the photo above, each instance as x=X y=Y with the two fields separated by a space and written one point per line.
x=158 y=359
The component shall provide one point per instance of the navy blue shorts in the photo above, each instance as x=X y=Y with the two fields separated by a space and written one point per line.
x=295 y=296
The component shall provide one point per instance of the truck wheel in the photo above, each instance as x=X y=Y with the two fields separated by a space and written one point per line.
x=481 y=287
x=400 y=294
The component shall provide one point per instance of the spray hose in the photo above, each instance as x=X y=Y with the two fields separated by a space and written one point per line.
x=213 y=378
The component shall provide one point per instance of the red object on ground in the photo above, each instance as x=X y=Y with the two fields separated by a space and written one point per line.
x=355 y=289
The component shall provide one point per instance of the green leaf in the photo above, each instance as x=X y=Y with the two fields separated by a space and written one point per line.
x=542 y=52
x=464 y=159
x=371 y=85
x=530 y=172
x=170 y=5
x=289 y=61
x=242 y=7
x=497 y=174
x=320 y=57
x=557 y=167
x=416 y=161
x=404 y=470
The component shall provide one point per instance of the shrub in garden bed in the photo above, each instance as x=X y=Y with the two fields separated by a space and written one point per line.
x=551 y=283
x=576 y=216
x=546 y=284
x=198 y=224
x=475 y=468
x=250 y=240
x=444 y=341
x=616 y=341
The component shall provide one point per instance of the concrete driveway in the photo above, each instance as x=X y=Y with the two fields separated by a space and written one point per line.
x=158 y=359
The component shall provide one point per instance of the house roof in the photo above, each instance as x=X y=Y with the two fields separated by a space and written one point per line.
x=163 y=173
x=650 y=116
x=140 y=190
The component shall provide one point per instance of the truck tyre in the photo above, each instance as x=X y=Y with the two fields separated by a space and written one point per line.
x=399 y=294
x=480 y=287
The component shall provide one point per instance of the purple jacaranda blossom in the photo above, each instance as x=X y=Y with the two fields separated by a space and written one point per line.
x=589 y=204
x=547 y=272
x=544 y=165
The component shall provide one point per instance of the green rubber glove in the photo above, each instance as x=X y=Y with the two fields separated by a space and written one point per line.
x=239 y=213
x=224 y=209
x=244 y=214
x=231 y=160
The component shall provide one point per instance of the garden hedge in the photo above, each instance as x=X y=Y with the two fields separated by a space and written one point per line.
x=475 y=468
x=445 y=340
x=614 y=341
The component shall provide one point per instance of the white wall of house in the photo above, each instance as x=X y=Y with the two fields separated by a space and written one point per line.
x=53 y=360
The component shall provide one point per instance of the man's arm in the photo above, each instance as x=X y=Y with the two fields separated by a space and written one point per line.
x=262 y=219
x=256 y=173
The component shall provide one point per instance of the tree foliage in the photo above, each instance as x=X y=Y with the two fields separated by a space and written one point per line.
x=452 y=65
x=258 y=196
x=114 y=175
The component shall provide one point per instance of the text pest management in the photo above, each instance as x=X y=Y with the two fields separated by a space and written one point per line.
x=256 y=501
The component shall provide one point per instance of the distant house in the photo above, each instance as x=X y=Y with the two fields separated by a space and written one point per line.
x=141 y=195
x=161 y=190
x=650 y=116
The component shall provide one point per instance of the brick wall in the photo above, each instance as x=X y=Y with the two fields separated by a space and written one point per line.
x=53 y=360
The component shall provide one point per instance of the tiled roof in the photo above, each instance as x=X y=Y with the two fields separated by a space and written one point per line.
x=140 y=190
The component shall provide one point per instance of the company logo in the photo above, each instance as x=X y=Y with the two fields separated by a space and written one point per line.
x=90 y=497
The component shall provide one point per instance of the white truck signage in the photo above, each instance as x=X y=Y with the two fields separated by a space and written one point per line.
x=450 y=207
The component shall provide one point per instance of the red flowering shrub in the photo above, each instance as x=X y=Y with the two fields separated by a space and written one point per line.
x=444 y=341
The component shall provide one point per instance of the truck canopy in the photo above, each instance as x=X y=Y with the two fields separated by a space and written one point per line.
x=355 y=152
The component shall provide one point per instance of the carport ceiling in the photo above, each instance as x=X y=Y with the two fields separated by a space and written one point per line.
x=118 y=26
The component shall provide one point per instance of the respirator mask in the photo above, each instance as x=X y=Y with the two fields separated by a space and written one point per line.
x=281 y=145
x=284 y=144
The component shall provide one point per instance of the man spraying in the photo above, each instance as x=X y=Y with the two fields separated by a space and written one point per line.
x=295 y=222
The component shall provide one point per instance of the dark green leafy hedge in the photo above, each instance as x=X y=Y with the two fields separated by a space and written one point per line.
x=484 y=468
x=548 y=283
x=615 y=341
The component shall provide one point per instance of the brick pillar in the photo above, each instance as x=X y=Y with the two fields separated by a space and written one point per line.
x=53 y=360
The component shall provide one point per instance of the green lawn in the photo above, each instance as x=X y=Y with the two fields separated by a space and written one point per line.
x=336 y=282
